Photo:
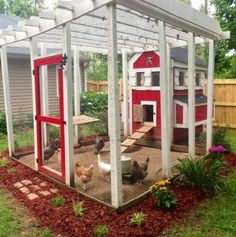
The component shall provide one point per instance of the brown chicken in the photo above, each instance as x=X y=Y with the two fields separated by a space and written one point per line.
x=84 y=174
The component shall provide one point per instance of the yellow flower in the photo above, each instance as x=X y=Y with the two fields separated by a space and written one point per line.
x=163 y=188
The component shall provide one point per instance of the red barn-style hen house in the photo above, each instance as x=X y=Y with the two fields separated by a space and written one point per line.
x=145 y=106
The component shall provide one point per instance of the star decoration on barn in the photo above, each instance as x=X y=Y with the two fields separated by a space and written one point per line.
x=149 y=60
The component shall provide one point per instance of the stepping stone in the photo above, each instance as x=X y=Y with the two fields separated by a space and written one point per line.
x=18 y=185
x=35 y=187
x=26 y=182
x=53 y=190
x=43 y=184
x=32 y=196
x=36 y=179
x=45 y=193
x=24 y=190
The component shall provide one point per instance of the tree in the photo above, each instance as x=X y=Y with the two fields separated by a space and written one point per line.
x=226 y=50
x=21 y=8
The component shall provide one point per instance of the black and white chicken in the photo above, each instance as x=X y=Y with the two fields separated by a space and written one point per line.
x=99 y=144
x=49 y=151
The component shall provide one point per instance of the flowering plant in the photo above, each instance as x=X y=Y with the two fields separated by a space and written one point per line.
x=217 y=148
x=164 y=197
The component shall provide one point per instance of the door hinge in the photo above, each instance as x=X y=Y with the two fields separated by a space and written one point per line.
x=64 y=122
x=35 y=117
x=33 y=72
x=63 y=62
x=37 y=160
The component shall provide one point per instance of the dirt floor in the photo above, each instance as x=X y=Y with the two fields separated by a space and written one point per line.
x=99 y=187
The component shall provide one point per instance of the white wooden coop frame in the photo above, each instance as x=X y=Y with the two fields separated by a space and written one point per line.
x=109 y=27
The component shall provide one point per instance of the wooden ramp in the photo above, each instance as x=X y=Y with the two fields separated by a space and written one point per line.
x=135 y=137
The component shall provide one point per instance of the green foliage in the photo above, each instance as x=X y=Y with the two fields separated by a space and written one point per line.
x=137 y=218
x=99 y=73
x=22 y=8
x=164 y=197
x=30 y=119
x=4 y=161
x=101 y=230
x=78 y=208
x=3 y=142
x=219 y=137
x=11 y=171
x=3 y=123
x=57 y=201
x=225 y=13
x=203 y=173
x=91 y=102
x=46 y=233
x=54 y=133
x=24 y=139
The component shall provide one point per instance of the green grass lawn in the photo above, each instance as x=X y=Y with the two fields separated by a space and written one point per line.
x=215 y=217
x=231 y=137
x=15 y=220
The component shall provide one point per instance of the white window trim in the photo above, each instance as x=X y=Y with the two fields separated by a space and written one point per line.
x=154 y=104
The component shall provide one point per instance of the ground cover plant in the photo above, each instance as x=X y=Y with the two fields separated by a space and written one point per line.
x=137 y=218
x=100 y=230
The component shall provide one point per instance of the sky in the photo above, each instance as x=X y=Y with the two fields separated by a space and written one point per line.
x=195 y=3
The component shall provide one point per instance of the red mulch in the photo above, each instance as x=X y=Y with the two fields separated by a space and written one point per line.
x=61 y=220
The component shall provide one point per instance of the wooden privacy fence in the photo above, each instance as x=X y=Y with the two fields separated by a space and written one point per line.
x=102 y=86
x=225 y=102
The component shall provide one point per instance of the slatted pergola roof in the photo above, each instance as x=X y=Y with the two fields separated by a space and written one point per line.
x=137 y=25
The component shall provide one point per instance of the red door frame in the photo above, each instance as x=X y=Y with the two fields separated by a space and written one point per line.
x=50 y=60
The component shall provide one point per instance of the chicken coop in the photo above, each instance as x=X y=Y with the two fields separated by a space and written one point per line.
x=145 y=98
x=149 y=29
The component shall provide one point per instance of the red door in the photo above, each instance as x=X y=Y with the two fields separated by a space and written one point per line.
x=52 y=168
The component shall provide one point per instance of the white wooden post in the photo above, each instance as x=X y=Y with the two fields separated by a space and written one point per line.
x=7 y=101
x=77 y=87
x=210 y=91
x=191 y=95
x=33 y=55
x=113 y=104
x=125 y=92
x=68 y=112
x=45 y=105
x=86 y=79
x=165 y=148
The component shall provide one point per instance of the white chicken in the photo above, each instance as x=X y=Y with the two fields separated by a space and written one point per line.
x=103 y=167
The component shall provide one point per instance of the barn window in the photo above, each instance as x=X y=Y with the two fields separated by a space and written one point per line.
x=140 y=78
x=155 y=78
x=181 y=78
x=197 y=79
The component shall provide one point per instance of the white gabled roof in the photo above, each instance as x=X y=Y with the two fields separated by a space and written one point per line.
x=137 y=24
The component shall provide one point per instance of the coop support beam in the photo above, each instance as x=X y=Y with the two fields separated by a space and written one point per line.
x=33 y=55
x=68 y=111
x=43 y=52
x=113 y=104
x=7 y=100
x=210 y=88
x=165 y=148
x=77 y=88
x=125 y=92
x=191 y=95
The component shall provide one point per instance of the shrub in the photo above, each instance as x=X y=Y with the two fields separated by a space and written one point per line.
x=219 y=137
x=54 y=133
x=3 y=123
x=11 y=171
x=78 y=208
x=138 y=218
x=57 y=201
x=46 y=233
x=101 y=230
x=203 y=173
x=4 y=161
x=164 y=197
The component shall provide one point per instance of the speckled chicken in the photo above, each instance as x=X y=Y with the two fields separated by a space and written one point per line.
x=138 y=172
x=49 y=151
x=99 y=144
x=84 y=174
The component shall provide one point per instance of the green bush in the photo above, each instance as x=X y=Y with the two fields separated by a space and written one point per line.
x=4 y=161
x=78 y=208
x=54 y=133
x=11 y=171
x=91 y=102
x=57 y=201
x=137 y=218
x=101 y=230
x=3 y=123
x=165 y=198
x=203 y=173
x=219 y=137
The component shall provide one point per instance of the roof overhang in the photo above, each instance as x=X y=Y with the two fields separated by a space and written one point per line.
x=137 y=25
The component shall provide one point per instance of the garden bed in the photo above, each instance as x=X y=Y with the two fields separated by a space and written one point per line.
x=62 y=220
